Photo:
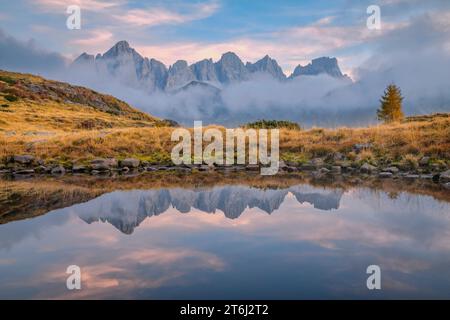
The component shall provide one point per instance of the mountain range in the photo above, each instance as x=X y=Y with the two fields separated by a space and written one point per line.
x=132 y=69
x=126 y=210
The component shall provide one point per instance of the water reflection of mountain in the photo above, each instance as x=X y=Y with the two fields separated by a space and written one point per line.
x=127 y=209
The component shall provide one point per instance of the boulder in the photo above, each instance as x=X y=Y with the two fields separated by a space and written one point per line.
x=58 y=170
x=444 y=176
x=385 y=174
x=324 y=170
x=424 y=161
x=40 y=169
x=130 y=163
x=367 y=168
x=23 y=159
x=317 y=162
x=392 y=170
x=307 y=167
x=336 y=169
x=27 y=171
x=103 y=164
x=78 y=168
x=252 y=167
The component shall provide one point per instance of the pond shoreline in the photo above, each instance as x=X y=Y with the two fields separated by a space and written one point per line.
x=23 y=167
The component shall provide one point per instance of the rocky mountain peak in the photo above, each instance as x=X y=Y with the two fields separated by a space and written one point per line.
x=267 y=65
x=322 y=65
x=230 y=68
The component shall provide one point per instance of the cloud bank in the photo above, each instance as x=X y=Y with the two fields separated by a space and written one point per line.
x=415 y=56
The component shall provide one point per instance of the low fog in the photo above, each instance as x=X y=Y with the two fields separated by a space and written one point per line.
x=415 y=57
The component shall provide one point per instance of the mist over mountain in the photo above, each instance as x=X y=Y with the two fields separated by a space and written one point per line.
x=232 y=92
x=126 y=66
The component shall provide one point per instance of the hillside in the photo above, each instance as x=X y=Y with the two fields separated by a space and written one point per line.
x=34 y=105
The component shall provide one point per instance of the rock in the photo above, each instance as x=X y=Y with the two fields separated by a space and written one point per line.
x=324 y=170
x=367 y=168
x=424 y=161
x=337 y=156
x=336 y=169
x=252 y=167
x=385 y=174
x=4 y=171
x=307 y=167
x=41 y=169
x=130 y=163
x=282 y=164
x=95 y=172
x=412 y=176
x=103 y=164
x=290 y=169
x=447 y=185
x=444 y=176
x=58 y=170
x=23 y=159
x=392 y=170
x=426 y=176
x=78 y=168
x=125 y=169
x=317 y=162
x=203 y=167
x=27 y=171
x=150 y=169
x=361 y=146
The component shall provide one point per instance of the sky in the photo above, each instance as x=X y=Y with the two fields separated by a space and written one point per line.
x=291 y=31
x=411 y=49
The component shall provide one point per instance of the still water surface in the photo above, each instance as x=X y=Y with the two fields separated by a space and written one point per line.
x=232 y=242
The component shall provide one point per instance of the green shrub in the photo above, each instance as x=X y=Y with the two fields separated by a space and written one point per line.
x=8 y=80
x=11 y=98
x=273 y=124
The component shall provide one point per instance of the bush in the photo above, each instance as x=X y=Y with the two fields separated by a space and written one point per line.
x=11 y=98
x=8 y=80
x=273 y=124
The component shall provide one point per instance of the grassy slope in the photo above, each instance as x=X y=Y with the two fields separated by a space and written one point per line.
x=31 y=104
x=47 y=125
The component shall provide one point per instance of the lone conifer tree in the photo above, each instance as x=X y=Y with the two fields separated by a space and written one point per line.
x=391 y=105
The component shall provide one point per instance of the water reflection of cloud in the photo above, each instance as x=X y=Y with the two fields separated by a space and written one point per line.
x=408 y=237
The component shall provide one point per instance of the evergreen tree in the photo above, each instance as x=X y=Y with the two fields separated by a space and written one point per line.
x=391 y=105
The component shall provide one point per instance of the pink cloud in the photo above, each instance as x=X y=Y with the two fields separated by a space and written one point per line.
x=158 y=16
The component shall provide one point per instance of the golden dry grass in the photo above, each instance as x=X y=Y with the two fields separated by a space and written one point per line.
x=53 y=129
x=394 y=142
